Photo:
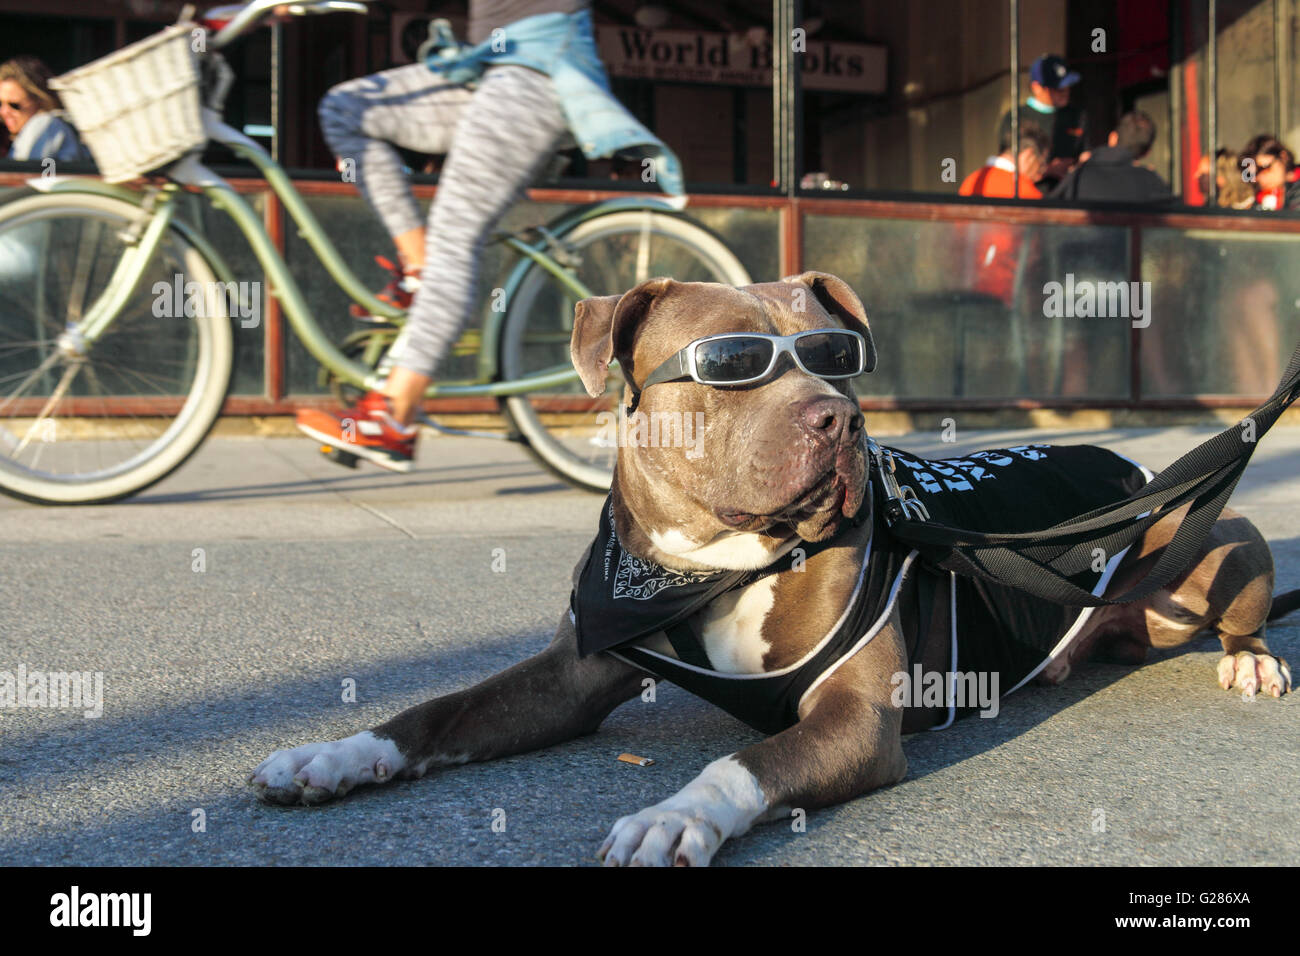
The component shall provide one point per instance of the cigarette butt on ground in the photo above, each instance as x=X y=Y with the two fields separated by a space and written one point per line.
x=633 y=758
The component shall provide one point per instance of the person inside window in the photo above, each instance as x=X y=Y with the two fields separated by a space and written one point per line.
x=1277 y=181
x=32 y=114
x=996 y=178
x=999 y=249
x=1233 y=190
x=1114 y=172
x=1049 y=108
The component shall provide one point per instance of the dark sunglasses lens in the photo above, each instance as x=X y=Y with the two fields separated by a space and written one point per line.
x=830 y=353
x=732 y=360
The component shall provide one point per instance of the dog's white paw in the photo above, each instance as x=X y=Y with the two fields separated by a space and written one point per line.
x=314 y=773
x=1254 y=674
x=662 y=836
x=688 y=827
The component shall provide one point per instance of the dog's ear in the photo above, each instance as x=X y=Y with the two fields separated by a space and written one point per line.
x=604 y=329
x=591 y=347
x=835 y=296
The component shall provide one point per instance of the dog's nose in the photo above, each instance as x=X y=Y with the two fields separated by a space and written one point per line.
x=829 y=417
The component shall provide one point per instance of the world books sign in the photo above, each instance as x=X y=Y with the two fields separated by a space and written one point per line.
x=689 y=56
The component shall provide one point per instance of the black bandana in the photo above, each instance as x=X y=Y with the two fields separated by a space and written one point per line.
x=621 y=598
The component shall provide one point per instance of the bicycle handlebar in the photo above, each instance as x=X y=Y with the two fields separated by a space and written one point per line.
x=245 y=16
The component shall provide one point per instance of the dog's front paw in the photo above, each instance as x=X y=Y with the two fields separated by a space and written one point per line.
x=688 y=827
x=314 y=773
x=1254 y=673
x=662 y=836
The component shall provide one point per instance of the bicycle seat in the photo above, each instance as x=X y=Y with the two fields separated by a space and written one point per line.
x=217 y=18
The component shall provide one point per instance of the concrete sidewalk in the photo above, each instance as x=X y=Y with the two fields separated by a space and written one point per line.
x=314 y=576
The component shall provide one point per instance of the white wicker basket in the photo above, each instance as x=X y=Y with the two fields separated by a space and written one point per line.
x=138 y=108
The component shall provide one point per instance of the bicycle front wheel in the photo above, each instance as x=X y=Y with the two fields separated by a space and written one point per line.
x=84 y=422
x=562 y=426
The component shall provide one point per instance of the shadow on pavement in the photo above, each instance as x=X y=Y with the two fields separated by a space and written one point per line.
x=211 y=739
x=344 y=483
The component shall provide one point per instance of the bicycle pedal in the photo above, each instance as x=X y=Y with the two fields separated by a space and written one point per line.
x=365 y=318
x=345 y=458
x=358 y=314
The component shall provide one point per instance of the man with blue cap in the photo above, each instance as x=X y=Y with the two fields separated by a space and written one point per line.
x=1048 y=106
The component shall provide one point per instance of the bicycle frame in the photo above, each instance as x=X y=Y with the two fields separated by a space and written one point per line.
x=158 y=215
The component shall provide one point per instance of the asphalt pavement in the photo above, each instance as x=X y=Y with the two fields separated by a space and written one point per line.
x=231 y=608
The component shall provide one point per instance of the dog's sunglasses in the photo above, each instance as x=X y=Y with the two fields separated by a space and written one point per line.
x=742 y=358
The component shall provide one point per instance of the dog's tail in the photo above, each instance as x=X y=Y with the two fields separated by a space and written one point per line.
x=1284 y=604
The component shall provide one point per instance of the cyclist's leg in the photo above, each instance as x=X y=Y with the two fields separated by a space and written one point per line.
x=410 y=106
x=414 y=108
x=510 y=131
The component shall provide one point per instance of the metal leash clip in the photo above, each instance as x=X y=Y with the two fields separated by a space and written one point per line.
x=901 y=502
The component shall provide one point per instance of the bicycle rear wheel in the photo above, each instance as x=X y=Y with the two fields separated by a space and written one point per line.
x=561 y=426
x=90 y=422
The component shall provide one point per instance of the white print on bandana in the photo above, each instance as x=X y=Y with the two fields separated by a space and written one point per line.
x=637 y=579
x=641 y=580
x=961 y=474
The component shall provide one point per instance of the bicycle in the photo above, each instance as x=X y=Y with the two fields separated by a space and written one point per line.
x=101 y=397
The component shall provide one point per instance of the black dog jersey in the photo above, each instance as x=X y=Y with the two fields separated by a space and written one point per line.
x=621 y=599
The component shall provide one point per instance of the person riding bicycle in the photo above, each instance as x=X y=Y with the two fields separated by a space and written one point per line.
x=499 y=109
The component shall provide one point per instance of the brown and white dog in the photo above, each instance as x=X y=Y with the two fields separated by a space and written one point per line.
x=786 y=463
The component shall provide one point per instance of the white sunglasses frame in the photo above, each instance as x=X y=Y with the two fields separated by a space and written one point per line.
x=784 y=344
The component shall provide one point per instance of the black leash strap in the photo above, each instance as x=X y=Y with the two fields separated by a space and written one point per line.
x=689 y=648
x=1041 y=562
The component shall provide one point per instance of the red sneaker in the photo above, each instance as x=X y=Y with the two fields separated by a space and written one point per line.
x=399 y=292
x=369 y=430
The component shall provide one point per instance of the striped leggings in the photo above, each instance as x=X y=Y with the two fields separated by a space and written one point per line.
x=497 y=137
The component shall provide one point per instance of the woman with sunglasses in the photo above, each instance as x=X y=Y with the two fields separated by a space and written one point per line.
x=32 y=116
x=1277 y=180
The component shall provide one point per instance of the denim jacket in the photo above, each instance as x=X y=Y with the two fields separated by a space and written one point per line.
x=561 y=46
x=48 y=135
